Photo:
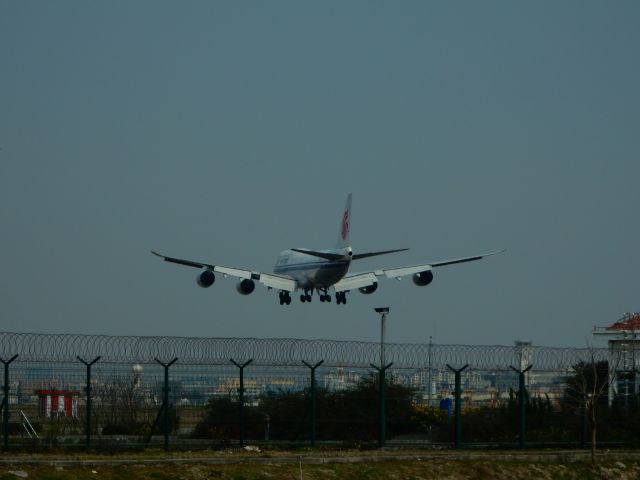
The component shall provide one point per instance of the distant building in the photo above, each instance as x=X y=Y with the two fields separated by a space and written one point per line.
x=341 y=380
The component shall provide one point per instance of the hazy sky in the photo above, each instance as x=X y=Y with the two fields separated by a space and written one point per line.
x=228 y=131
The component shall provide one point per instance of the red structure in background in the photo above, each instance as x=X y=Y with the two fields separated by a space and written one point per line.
x=63 y=403
x=630 y=322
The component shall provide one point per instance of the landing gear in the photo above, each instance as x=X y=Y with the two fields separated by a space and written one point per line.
x=341 y=297
x=306 y=296
x=285 y=298
x=325 y=297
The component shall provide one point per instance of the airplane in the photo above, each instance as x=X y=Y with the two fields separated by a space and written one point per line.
x=319 y=270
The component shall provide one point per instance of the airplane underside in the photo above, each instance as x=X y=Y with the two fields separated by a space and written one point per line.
x=318 y=280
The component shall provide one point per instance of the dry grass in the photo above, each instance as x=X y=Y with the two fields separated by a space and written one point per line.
x=391 y=469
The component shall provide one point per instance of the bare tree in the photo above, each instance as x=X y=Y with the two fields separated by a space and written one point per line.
x=587 y=390
x=123 y=403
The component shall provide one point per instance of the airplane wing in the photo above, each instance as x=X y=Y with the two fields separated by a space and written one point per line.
x=267 y=279
x=366 y=279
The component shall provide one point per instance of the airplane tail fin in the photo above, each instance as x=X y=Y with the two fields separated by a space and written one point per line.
x=345 y=225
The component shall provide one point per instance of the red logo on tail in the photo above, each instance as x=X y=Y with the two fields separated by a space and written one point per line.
x=345 y=225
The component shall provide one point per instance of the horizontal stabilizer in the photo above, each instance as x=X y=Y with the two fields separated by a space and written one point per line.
x=465 y=259
x=375 y=254
x=325 y=255
x=179 y=261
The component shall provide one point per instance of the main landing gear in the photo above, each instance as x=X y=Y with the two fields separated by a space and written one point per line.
x=285 y=298
x=341 y=297
x=325 y=297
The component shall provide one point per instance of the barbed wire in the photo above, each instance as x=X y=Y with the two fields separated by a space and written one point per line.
x=286 y=352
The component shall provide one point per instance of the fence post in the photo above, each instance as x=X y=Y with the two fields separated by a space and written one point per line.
x=165 y=401
x=5 y=400
x=241 y=413
x=88 y=404
x=313 y=399
x=583 y=423
x=522 y=404
x=456 y=413
x=382 y=422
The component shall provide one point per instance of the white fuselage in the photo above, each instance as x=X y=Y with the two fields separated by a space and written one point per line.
x=312 y=272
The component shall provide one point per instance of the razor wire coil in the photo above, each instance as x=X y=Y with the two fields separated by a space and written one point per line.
x=41 y=347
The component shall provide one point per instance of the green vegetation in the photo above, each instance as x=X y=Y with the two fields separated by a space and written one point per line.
x=351 y=416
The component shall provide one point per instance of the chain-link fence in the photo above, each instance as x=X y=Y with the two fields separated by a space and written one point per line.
x=109 y=391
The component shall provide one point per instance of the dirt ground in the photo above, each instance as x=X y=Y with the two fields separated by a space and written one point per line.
x=308 y=465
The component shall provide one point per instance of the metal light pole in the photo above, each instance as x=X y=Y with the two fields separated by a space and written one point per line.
x=429 y=376
x=382 y=430
x=383 y=311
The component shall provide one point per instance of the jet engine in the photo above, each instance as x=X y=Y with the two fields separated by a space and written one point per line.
x=206 y=278
x=245 y=287
x=369 y=289
x=423 y=278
